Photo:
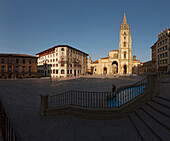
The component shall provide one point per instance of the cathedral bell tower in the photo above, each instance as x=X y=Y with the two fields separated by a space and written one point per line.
x=125 y=49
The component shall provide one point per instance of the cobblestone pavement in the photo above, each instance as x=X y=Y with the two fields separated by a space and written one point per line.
x=21 y=100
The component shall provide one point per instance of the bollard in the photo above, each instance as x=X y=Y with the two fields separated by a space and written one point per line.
x=44 y=104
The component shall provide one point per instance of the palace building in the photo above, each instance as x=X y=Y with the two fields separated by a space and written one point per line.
x=17 y=66
x=118 y=61
x=62 y=61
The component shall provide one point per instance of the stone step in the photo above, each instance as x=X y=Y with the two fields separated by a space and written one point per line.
x=159 y=130
x=162 y=102
x=143 y=130
x=162 y=109
x=162 y=119
x=165 y=97
x=131 y=129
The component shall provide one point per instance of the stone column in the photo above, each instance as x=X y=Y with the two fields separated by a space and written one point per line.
x=43 y=105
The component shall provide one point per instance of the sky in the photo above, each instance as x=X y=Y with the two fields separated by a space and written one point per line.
x=92 y=26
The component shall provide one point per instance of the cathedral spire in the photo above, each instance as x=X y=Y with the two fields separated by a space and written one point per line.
x=124 y=18
x=124 y=25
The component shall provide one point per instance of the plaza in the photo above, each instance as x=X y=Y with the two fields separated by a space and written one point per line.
x=21 y=101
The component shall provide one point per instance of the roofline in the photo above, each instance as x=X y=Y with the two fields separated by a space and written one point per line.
x=113 y=50
x=105 y=58
x=62 y=46
x=154 y=45
x=95 y=62
x=17 y=55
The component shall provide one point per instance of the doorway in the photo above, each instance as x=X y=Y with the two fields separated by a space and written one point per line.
x=125 y=69
x=105 y=70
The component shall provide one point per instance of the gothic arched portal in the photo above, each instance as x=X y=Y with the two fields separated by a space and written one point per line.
x=105 y=70
x=115 y=67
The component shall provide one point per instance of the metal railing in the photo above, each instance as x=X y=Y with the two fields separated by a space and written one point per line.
x=8 y=134
x=99 y=100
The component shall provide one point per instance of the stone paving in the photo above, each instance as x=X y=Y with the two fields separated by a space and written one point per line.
x=21 y=100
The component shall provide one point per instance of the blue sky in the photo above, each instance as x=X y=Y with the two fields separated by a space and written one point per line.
x=31 y=26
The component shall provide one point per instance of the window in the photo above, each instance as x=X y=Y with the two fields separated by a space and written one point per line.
x=124 y=44
x=62 y=71
x=56 y=65
x=56 y=71
x=62 y=64
x=125 y=33
x=67 y=71
x=23 y=68
x=62 y=49
x=70 y=71
x=29 y=61
x=125 y=55
x=53 y=65
x=9 y=69
x=53 y=60
x=124 y=38
x=53 y=71
x=23 y=61
x=56 y=60
x=17 y=61
x=29 y=68
x=2 y=61
x=16 y=69
x=2 y=68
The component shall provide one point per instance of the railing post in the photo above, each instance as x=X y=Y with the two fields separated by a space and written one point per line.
x=154 y=84
x=152 y=80
x=44 y=104
x=149 y=77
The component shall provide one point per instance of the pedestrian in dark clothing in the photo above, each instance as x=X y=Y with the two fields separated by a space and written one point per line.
x=114 y=90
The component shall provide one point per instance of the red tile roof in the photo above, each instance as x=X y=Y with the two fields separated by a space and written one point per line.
x=95 y=62
x=136 y=60
x=113 y=50
x=105 y=58
x=17 y=55
x=52 y=48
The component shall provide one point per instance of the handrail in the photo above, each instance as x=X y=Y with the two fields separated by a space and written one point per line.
x=98 y=100
x=7 y=128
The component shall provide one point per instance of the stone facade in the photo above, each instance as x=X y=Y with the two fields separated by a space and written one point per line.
x=163 y=51
x=149 y=66
x=118 y=61
x=62 y=61
x=17 y=65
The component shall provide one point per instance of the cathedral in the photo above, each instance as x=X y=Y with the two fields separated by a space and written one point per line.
x=118 y=61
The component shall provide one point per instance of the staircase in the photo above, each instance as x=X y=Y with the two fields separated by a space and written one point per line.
x=152 y=120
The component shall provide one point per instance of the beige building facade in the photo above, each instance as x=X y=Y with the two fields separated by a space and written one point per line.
x=62 y=61
x=118 y=61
